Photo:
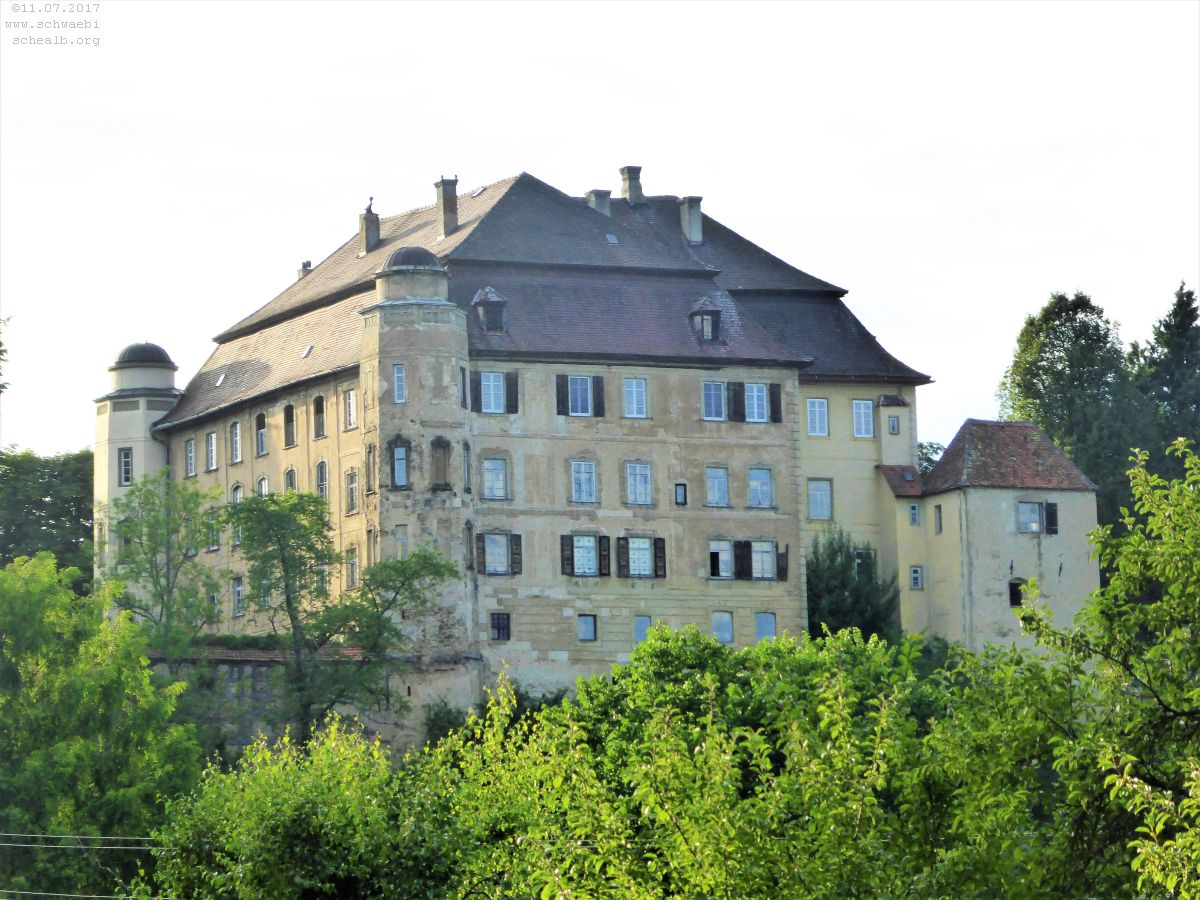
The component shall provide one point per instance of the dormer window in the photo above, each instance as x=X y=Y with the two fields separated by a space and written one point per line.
x=493 y=318
x=707 y=325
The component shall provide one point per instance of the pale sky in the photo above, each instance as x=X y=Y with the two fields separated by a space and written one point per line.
x=950 y=164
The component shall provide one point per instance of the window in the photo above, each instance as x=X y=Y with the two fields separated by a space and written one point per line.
x=864 y=563
x=189 y=457
x=818 y=417
x=235 y=442
x=716 y=479
x=213 y=526
x=350 y=409
x=584 y=555
x=289 y=480
x=289 y=426
x=323 y=480
x=762 y=490
x=399 y=389
x=713 y=401
x=708 y=326
x=125 y=466
x=400 y=465
x=498 y=554
x=1015 y=594
x=937 y=518
x=370 y=467
x=1029 y=518
x=641 y=628
x=756 y=403
x=492 y=387
x=641 y=559
x=264 y=487
x=916 y=578
x=235 y=494
x=495 y=479
x=352 y=568
x=635 y=398
x=238 y=594
x=586 y=626
x=210 y=451
x=762 y=560
x=637 y=483
x=401 y=534
x=914 y=514
x=462 y=387
x=440 y=457
x=351 y=491
x=720 y=559
x=493 y=318
x=864 y=419
x=500 y=627
x=318 y=417
x=764 y=625
x=680 y=494
x=722 y=626
x=583 y=481
x=260 y=434
x=579 y=393
x=893 y=424
x=820 y=498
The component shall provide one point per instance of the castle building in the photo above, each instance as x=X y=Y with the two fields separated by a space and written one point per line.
x=609 y=412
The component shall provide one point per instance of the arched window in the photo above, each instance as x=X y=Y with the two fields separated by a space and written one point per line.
x=1015 y=597
x=260 y=434
x=289 y=425
x=323 y=480
x=289 y=480
x=263 y=487
x=318 y=417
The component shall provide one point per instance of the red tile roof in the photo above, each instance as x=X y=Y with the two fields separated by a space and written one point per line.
x=1004 y=454
x=905 y=481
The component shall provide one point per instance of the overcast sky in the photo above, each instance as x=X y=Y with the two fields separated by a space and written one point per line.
x=949 y=164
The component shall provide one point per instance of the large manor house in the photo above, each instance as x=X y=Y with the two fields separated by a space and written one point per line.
x=610 y=413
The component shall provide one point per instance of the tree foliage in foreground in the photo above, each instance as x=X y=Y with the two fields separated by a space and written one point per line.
x=340 y=648
x=159 y=528
x=818 y=768
x=87 y=743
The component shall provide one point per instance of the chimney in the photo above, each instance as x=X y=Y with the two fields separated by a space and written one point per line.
x=305 y=268
x=368 y=230
x=631 y=184
x=599 y=201
x=690 y=219
x=447 y=204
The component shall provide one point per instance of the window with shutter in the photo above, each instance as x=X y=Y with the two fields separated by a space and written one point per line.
x=775 y=393
x=1051 y=511
x=742 y=561
x=735 y=397
x=514 y=554
x=598 y=396
x=510 y=392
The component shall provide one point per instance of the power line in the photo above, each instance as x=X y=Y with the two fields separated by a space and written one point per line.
x=78 y=837
x=4 y=892
x=142 y=847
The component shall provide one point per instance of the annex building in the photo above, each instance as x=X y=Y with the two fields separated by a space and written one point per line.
x=610 y=413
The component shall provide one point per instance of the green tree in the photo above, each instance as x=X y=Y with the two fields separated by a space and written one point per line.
x=928 y=454
x=1168 y=372
x=844 y=589
x=160 y=527
x=46 y=505
x=340 y=649
x=87 y=742
x=1069 y=375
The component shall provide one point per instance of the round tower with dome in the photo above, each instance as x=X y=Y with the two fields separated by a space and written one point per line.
x=142 y=392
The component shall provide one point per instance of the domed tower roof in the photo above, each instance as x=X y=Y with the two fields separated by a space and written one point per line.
x=412 y=258
x=144 y=356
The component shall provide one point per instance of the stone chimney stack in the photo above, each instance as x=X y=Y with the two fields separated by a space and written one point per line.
x=691 y=220
x=599 y=201
x=447 y=204
x=631 y=185
x=305 y=268
x=368 y=230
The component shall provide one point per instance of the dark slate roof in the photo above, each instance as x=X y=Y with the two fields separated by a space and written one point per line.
x=143 y=355
x=822 y=327
x=1004 y=455
x=905 y=481
x=576 y=283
